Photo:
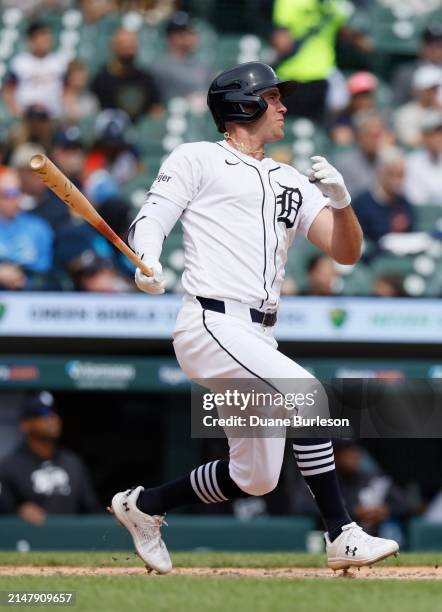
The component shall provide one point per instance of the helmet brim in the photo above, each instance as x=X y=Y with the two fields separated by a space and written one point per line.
x=286 y=88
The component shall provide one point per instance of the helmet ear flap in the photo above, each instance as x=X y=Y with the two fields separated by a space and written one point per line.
x=241 y=108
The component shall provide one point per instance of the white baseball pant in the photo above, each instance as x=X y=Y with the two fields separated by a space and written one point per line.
x=211 y=345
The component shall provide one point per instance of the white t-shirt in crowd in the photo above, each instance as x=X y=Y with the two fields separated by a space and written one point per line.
x=39 y=80
x=423 y=179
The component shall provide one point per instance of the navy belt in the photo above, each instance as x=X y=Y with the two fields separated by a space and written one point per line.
x=268 y=319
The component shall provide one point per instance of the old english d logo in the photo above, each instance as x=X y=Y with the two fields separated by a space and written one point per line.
x=290 y=201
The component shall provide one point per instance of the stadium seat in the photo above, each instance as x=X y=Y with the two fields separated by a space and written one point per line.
x=151 y=46
x=6 y=121
x=427 y=216
x=359 y=282
x=227 y=51
x=392 y=264
x=153 y=163
x=298 y=258
x=201 y=127
x=396 y=28
x=134 y=191
x=86 y=125
x=150 y=135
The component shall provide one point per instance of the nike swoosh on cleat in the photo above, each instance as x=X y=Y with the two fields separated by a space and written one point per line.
x=231 y=163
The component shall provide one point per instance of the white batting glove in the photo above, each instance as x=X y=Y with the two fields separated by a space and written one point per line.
x=155 y=284
x=329 y=181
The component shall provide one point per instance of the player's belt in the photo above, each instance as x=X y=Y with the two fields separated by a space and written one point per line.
x=268 y=319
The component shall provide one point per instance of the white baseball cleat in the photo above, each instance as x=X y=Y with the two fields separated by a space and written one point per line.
x=355 y=548
x=144 y=529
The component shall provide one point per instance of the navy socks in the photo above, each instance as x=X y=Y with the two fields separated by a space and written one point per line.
x=209 y=483
x=315 y=459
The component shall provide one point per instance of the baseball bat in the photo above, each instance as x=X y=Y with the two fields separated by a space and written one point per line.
x=54 y=178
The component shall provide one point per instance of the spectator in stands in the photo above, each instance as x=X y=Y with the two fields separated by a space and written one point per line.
x=3 y=149
x=179 y=73
x=115 y=211
x=36 y=76
x=408 y=118
x=121 y=84
x=78 y=102
x=304 y=41
x=68 y=154
x=25 y=240
x=388 y=285
x=358 y=165
x=363 y=3
x=94 y=274
x=423 y=183
x=32 y=7
x=31 y=185
x=322 y=276
x=94 y=10
x=361 y=88
x=113 y=160
x=156 y=11
x=289 y=286
x=282 y=154
x=36 y=126
x=430 y=54
x=384 y=209
x=371 y=496
x=41 y=478
x=72 y=241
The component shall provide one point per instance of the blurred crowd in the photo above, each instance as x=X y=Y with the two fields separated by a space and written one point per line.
x=385 y=138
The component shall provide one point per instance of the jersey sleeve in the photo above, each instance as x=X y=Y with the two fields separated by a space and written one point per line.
x=180 y=176
x=313 y=202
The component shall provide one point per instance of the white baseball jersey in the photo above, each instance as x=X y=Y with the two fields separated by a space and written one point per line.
x=40 y=80
x=239 y=217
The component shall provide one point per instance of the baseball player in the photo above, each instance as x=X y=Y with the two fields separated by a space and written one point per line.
x=240 y=212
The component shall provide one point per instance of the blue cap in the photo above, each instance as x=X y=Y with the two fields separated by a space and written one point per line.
x=180 y=22
x=38 y=405
x=69 y=138
x=111 y=126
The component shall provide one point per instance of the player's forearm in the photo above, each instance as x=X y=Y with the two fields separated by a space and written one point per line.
x=346 y=237
x=152 y=225
x=148 y=238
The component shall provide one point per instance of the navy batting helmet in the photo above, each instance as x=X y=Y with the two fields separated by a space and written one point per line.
x=234 y=95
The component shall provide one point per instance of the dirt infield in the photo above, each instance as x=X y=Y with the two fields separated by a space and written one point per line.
x=365 y=573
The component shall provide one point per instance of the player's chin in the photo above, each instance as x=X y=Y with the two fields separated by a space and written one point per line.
x=278 y=132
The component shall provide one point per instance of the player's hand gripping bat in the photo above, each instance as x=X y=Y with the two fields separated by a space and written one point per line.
x=54 y=178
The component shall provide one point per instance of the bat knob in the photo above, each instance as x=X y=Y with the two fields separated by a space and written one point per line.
x=37 y=161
